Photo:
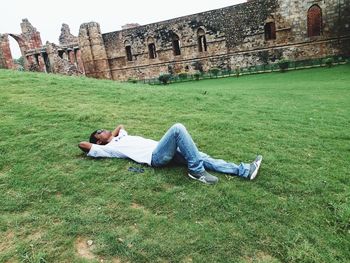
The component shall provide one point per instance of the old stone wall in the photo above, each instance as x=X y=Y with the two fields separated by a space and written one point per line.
x=66 y=65
x=30 y=35
x=252 y=33
x=66 y=38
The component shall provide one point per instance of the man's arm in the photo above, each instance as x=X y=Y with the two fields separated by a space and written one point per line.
x=85 y=146
x=117 y=130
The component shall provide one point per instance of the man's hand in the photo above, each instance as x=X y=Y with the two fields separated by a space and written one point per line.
x=85 y=146
x=117 y=130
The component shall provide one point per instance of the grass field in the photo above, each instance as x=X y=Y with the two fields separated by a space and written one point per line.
x=56 y=205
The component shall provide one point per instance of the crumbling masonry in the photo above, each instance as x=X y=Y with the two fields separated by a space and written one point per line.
x=253 y=33
x=63 y=59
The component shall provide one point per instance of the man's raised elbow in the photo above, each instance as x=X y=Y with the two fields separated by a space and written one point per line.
x=84 y=146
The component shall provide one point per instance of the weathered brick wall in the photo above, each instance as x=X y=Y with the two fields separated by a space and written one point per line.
x=227 y=30
x=253 y=33
x=60 y=65
x=235 y=36
x=66 y=38
x=335 y=27
x=30 y=35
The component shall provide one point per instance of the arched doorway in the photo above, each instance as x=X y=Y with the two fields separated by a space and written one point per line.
x=12 y=47
x=16 y=53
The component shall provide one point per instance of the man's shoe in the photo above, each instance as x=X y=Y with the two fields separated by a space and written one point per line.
x=254 y=167
x=204 y=177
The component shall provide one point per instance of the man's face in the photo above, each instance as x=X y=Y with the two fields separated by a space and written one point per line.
x=103 y=136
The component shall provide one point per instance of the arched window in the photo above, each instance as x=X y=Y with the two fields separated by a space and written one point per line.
x=152 y=51
x=176 y=45
x=151 y=48
x=270 y=31
x=128 y=51
x=314 y=21
x=202 y=41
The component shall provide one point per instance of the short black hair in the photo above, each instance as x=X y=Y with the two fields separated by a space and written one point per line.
x=93 y=138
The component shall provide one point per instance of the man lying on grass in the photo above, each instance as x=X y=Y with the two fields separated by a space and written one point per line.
x=176 y=145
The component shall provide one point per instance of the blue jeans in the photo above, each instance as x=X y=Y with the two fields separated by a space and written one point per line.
x=177 y=145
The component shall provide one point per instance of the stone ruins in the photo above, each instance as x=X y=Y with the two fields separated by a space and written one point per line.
x=253 y=33
x=64 y=58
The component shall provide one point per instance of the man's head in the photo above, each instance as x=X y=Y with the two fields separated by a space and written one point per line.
x=100 y=137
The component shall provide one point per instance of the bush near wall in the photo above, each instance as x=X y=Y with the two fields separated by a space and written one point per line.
x=183 y=75
x=283 y=64
x=164 y=78
x=329 y=62
x=214 y=71
x=257 y=69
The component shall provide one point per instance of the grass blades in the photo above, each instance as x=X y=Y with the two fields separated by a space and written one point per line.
x=56 y=205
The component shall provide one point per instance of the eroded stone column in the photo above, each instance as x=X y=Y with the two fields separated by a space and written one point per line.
x=80 y=64
x=71 y=56
x=41 y=61
x=6 y=60
x=93 y=52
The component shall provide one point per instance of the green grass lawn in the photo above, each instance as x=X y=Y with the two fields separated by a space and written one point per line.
x=53 y=199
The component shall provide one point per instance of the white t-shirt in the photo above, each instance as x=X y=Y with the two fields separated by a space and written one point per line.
x=136 y=148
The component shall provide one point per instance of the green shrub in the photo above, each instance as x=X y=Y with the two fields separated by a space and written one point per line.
x=329 y=62
x=341 y=59
x=283 y=64
x=164 y=78
x=19 y=61
x=183 y=75
x=197 y=75
x=237 y=71
x=132 y=80
x=214 y=71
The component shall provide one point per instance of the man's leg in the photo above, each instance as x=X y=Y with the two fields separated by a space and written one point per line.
x=245 y=170
x=176 y=140
x=221 y=166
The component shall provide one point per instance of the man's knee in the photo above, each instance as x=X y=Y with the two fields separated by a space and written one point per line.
x=179 y=126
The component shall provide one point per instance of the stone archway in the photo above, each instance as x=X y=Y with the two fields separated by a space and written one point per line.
x=29 y=39
x=22 y=47
x=6 y=60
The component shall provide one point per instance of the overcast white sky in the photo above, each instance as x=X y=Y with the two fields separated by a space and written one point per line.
x=47 y=16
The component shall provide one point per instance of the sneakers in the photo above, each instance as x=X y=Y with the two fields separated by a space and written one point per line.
x=204 y=177
x=254 y=167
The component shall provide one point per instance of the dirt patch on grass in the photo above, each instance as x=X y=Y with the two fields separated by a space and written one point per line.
x=58 y=195
x=139 y=207
x=187 y=260
x=35 y=236
x=261 y=257
x=83 y=249
x=134 y=229
x=7 y=241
